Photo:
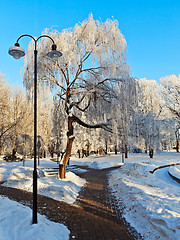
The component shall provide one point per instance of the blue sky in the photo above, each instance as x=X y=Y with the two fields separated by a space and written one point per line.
x=151 y=29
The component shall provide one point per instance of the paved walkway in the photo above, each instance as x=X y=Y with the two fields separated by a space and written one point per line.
x=94 y=216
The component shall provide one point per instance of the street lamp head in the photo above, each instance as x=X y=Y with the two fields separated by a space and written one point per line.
x=16 y=51
x=54 y=54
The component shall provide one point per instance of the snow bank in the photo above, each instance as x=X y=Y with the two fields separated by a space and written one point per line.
x=100 y=165
x=151 y=200
x=20 y=177
x=98 y=162
x=175 y=171
x=16 y=224
x=63 y=190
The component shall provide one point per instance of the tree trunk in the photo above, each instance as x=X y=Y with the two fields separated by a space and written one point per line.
x=177 y=146
x=126 y=151
x=62 y=167
x=151 y=153
x=115 y=150
x=146 y=147
x=87 y=151
x=79 y=153
x=13 y=154
x=106 y=148
x=82 y=153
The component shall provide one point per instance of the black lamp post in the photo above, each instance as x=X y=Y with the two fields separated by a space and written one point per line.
x=17 y=52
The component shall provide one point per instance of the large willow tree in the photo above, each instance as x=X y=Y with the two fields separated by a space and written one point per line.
x=92 y=65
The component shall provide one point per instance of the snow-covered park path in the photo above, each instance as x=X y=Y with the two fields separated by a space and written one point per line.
x=91 y=217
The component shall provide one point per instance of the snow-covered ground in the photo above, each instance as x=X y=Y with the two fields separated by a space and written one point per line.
x=16 y=224
x=16 y=219
x=17 y=176
x=175 y=171
x=151 y=201
x=98 y=161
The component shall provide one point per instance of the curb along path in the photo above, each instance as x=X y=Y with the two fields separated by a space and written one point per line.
x=90 y=218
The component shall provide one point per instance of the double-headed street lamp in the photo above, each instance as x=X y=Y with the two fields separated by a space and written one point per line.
x=17 y=52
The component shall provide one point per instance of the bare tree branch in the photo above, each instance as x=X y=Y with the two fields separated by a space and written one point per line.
x=84 y=109
x=104 y=126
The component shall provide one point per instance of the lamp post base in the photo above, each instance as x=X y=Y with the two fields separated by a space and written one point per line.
x=34 y=196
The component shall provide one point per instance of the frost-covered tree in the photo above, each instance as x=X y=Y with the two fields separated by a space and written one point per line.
x=45 y=119
x=150 y=97
x=13 y=114
x=169 y=133
x=59 y=130
x=171 y=95
x=45 y=116
x=4 y=112
x=92 y=65
x=123 y=112
x=18 y=115
x=149 y=130
x=150 y=107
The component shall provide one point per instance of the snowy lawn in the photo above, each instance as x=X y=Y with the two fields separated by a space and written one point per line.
x=21 y=177
x=16 y=219
x=151 y=201
x=16 y=224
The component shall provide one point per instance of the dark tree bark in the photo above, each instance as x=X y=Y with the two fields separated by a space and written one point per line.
x=62 y=167
x=70 y=135
x=79 y=153
x=151 y=153
x=115 y=149
x=106 y=148
x=177 y=146
x=126 y=151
